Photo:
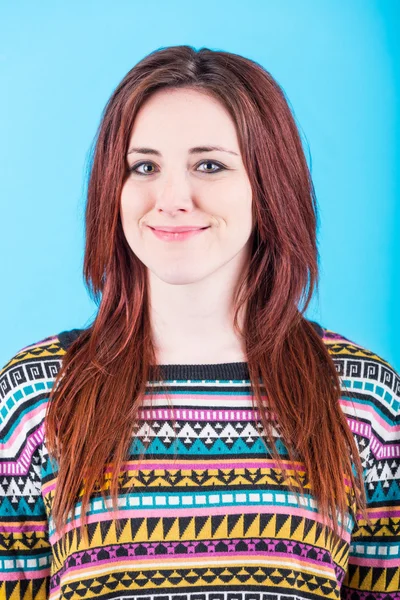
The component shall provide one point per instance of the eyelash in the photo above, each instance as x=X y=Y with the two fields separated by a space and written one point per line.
x=146 y=162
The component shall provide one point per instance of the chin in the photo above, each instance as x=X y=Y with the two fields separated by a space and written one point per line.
x=180 y=276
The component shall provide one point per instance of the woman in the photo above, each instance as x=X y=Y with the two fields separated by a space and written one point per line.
x=245 y=449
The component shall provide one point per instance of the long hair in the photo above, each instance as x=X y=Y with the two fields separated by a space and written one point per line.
x=95 y=402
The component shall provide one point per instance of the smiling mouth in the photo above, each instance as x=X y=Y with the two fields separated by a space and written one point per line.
x=180 y=229
x=176 y=236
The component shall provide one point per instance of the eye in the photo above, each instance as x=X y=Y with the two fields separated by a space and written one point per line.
x=220 y=167
x=134 y=168
x=211 y=162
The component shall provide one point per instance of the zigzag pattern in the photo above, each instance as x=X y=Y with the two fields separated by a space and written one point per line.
x=306 y=584
x=207 y=513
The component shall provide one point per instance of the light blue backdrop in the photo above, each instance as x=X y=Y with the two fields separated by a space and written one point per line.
x=336 y=61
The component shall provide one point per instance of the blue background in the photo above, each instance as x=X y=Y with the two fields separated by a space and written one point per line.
x=336 y=60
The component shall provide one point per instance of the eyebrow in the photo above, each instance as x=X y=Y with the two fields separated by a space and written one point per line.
x=195 y=150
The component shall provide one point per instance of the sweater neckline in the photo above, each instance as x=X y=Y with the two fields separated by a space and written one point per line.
x=217 y=372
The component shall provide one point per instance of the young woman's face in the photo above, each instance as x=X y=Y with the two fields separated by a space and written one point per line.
x=180 y=184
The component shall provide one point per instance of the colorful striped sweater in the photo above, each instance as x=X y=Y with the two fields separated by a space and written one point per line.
x=214 y=523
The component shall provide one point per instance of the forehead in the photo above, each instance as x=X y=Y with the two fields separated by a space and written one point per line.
x=181 y=118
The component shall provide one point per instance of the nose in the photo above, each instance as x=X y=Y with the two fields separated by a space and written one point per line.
x=174 y=194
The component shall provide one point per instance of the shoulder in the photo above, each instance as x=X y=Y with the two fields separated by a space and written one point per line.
x=36 y=361
x=370 y=393
x=26 y=380
x=362 y=369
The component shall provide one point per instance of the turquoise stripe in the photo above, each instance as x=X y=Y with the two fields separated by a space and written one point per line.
x=370 y=550
x=368 y=386
x=189 y=500
x=23 y=565
x=23 y=392
x=238 y=448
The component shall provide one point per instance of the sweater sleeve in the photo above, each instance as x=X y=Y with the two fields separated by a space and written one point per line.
x=25 y=550
x=374 y=560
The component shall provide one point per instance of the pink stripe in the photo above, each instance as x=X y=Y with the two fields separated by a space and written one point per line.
x=199 y=414
x=21 y=466
x=384 y=563
x=21 y=425
x=17 y=575
x=205 y=396
x=234 y=393
x=214 y=464
x=373 y=412
x=378 y=449
x=17 y=528
x=166 y=558
x=382 y=514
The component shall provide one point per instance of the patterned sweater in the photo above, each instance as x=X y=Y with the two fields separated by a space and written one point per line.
x=216 y=521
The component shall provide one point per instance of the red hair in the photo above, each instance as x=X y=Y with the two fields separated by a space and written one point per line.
x=100 y=387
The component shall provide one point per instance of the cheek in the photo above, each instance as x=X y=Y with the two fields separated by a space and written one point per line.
x=237 y=207
x=131 y=208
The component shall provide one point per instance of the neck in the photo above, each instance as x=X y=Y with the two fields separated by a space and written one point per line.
x=193 y=322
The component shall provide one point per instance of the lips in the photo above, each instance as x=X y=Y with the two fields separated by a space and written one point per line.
x=180 y=229
x=177 y=234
